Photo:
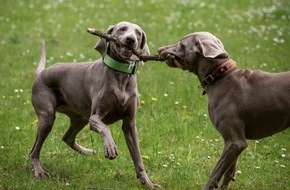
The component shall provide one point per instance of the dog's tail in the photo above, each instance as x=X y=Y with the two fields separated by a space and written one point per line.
x=42 y=59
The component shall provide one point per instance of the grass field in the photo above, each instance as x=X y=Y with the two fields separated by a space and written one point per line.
x=178 y=143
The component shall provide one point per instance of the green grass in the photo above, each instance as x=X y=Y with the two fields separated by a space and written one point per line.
x=179 y=145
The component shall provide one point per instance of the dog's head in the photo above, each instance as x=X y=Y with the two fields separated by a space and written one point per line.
x=129 y=34
x=184 y=54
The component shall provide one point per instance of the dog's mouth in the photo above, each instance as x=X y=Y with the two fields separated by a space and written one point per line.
x=173 y=60
x=124 y=50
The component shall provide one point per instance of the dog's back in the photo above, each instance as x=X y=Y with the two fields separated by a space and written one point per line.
x=263 y=101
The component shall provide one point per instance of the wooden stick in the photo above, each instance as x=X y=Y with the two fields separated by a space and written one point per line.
x=115 y=40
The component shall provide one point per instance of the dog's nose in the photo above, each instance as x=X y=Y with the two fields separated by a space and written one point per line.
x=130 y=41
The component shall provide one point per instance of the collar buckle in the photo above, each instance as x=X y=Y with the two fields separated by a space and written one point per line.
x=208 y=80
x=134 y=67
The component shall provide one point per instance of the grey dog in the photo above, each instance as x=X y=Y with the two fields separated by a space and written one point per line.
x=242 y=104
x=99 y=93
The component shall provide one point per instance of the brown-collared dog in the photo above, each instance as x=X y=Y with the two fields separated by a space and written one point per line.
x=243 y=104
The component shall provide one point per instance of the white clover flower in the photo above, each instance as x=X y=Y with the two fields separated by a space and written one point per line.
x=82 y=56
x=69 y=54
x=263 y=65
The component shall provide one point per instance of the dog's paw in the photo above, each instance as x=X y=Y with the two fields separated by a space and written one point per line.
x=111 y=154
x=145 y=181
x=41 y=174
x=154 y=186
x=110 y=150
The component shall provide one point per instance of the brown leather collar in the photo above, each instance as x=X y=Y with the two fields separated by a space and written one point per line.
x=219 y=72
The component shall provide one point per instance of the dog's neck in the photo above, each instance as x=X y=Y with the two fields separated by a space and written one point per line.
x=210 y=71
x=205 y=66
x=119 y=66
x=114 y=62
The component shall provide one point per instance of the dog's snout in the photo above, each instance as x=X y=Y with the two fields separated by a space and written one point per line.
x=130 y=40
x=162 y=51
x=163 y=48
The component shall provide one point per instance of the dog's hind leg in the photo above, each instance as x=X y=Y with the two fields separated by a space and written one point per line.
x=232 y=150
x=77 y=123
x=44 y=103
x=229 y=176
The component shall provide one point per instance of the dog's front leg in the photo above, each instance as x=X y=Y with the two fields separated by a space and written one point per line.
x=110 y=148
x=131 y=136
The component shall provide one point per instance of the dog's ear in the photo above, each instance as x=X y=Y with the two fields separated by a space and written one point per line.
x=144 y=46
x=210 y=47
x=101 y=45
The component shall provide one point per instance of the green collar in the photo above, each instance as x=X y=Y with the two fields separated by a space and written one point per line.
x=120 y=66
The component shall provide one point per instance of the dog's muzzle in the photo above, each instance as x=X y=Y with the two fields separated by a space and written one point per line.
x=172 y=60
x=126 y=48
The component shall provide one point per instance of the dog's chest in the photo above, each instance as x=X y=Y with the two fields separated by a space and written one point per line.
x=116 y=96
x=119 y=103
x=122 y=95
x=125 y=89
x=122 y=98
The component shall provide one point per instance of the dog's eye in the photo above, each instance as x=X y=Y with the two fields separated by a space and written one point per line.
x=181 y=45
x=138 y=33
x=123 y=29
